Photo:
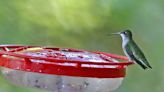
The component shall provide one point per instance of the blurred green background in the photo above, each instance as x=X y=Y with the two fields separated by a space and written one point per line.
x=84 y=24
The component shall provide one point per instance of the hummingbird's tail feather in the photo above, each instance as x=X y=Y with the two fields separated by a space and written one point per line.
x=141 y=64
x=146 y=63
x=149 y=66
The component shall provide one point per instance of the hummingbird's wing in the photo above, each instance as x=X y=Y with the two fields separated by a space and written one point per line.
x=138 y=54
x=128 y=51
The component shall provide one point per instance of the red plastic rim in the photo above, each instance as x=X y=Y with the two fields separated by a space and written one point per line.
x=56 y=66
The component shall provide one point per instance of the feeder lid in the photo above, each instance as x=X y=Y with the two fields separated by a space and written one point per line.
x=63 y=61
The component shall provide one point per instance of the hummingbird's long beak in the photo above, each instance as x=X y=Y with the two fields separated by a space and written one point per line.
x=115 y=33
x=118 y=33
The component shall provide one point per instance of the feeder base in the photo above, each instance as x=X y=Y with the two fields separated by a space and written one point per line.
x=57 y=83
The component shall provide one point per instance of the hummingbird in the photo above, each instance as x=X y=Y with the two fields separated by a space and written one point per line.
x=132 y=50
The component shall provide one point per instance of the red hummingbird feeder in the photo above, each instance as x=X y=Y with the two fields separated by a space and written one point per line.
x=62 y=69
